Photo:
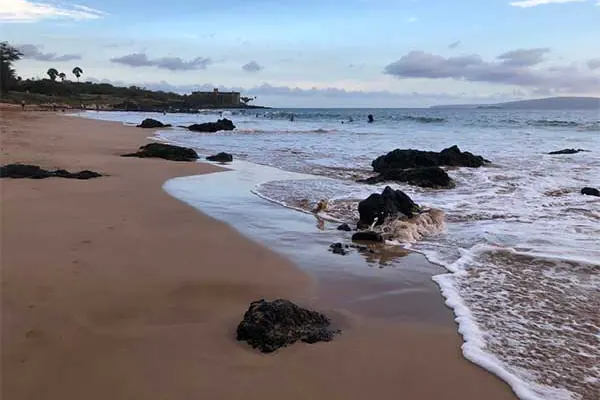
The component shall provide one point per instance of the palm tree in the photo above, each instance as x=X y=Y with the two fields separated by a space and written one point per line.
x=52 y=73
x=8 y=55
x=77 y=72
x=62 y=76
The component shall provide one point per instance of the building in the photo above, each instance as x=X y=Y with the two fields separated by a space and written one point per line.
x=216 y=99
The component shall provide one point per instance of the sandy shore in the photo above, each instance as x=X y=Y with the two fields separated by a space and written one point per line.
x=111 y=289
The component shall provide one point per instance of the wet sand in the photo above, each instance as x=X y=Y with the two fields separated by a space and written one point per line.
x=112 y=289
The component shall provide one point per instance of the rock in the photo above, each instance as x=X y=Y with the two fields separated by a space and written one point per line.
x=338 y=248
x=166 y=151
x=567 y=151
x=344 y=227
x=221 y=157
x=152 y=123
x=590 y=191
x=429 y=177
x=389 y=203
x=368 y=236
x=405 y=159
x=270 y=325
x=85 y=174
x=20 y=171
x=211 y=127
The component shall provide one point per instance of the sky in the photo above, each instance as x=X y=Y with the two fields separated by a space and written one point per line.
x=319 y=53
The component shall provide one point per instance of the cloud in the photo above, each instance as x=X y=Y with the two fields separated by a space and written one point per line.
x=454 y=45
x=534 y=3
x=170 y=63
x=32 y=11
x=412 y=19
x=252 y=66
x=512 y=68
x=594 y=63
x=524 y=57
x=32 y=52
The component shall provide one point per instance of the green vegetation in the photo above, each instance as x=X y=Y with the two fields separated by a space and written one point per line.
x=65 y=93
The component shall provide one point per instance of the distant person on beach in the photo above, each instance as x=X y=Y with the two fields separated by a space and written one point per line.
x=23 y=104
x=370 y=117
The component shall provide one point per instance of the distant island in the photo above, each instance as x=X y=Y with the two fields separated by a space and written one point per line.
x=550 y=103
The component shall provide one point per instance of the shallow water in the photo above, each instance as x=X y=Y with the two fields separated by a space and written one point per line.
x=521 y=245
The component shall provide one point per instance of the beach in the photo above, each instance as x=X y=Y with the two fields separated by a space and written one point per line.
x=111 y=288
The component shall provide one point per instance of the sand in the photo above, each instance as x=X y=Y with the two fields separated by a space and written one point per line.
x=111 y=289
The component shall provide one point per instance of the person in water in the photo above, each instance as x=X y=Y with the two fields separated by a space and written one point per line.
x=370 y=117
x=292 y=118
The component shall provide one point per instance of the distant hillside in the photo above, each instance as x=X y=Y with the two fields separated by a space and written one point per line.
x=551 y=103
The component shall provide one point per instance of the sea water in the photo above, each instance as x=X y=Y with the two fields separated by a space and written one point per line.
x=521 y=245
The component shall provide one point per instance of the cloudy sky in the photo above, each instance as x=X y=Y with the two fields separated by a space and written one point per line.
x=319 y=53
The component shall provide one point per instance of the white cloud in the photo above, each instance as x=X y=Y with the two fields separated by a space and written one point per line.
x=534 y=3
x=412 y=19
x=32 y=11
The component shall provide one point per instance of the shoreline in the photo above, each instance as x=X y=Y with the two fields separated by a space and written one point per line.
x=149 y=308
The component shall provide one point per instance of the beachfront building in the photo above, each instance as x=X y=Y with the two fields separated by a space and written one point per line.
x=216 y=98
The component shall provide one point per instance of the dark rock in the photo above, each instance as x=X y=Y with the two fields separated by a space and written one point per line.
x=590 y=191
x=20 y=171
x=338 y=248
x=567 y=151
x=270 y=325
x=152 y=123
x=405 y=159
x=166 y=151
x=429 y=177
x=368 y=236
x=344 y=227
x=221 y=157
x=221 y=125
x=389 y=203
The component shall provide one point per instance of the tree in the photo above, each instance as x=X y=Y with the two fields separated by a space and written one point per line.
x=52 y=73
x=8 y=55
x=77 y=72
x=62 y=76
x=247 y=100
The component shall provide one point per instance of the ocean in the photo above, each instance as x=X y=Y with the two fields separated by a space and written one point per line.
x=520 y=244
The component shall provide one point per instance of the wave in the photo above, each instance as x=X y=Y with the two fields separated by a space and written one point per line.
x=556 y=123
x=423 y=120
x=292 y=131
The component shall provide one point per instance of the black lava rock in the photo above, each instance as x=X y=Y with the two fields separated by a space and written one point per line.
x=429 y=177
x=368 y=236
x=567 y=151
x=409 y=158
x=211 y=127
x=344 y=227
x=152 y=123
x=590 y=191
x=380 y=206
x=166 y=151
x=221 y=157
x=21 y=171
x=270 y=325
x=338 y=248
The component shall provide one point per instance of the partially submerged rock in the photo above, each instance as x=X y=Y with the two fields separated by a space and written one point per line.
x=270 y=325
x=590 y=191
x=21 y=171
x=567 y=151
x=344 y=227
x=166 y=151
x=339 y=248
x=211 y=127
x=428 y=177
x=221 y=157
x=368 y=236
x=152 y=123
x=409 y=158
x=377 y=207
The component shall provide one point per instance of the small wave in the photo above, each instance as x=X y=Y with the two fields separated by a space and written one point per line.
x=423 y=120
x=292 y=131
x=405 y=230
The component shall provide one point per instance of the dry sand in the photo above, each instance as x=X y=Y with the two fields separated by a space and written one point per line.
x=111 y=289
